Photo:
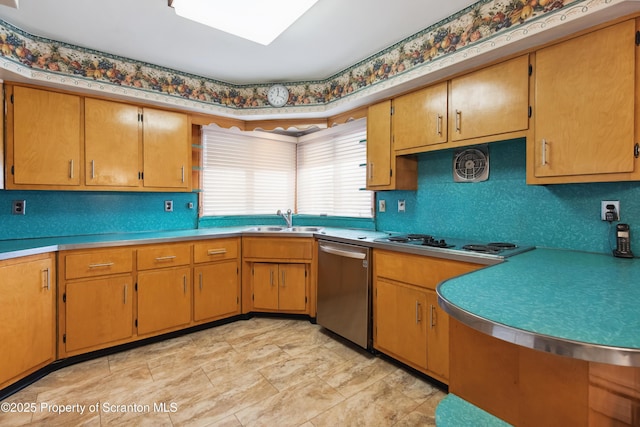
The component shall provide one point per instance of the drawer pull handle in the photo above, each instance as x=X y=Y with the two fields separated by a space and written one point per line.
x=102 y=264
x=71 y=169
x=126 y=287
x=165 y=258
x=182 y=169
x=458 y=121
x=439 y=124
x=418 y=319
x=93 y=169
x=216 y=251
x=284 y=276
x=184 y=284
x=200 y=282
x=544 y=152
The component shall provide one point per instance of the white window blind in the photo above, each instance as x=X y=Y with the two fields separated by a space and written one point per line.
x=331 y=172
x=247 y=173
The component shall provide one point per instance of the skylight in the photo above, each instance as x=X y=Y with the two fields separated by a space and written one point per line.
x=256 y=20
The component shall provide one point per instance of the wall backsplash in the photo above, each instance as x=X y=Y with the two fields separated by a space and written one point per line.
x=504 y=208
x=64 y=213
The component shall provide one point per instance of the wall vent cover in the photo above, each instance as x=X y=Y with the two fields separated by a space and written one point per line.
x=471 y=165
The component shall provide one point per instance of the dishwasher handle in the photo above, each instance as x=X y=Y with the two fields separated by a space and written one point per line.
x=341 y=252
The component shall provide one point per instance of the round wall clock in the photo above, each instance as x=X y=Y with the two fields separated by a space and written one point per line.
x=278 y=95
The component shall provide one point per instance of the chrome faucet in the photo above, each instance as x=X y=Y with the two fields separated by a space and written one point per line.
x=287 y=217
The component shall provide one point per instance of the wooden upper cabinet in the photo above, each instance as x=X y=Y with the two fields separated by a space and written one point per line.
x=385 y=170
x=112 y=143
x=491 y=101
x=379 y=144
x=167 y=149
x=44 y=138
x=584 y=118
x=420 y=118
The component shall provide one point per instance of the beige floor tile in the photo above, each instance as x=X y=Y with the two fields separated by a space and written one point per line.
x=257 y=372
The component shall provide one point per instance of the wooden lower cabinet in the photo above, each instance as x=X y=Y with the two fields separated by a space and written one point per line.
x=408 y=324
x=99 y=313
x=27 y=316
x=216 y=291
x=401 y=329
x=279 y=287
x=164 y=300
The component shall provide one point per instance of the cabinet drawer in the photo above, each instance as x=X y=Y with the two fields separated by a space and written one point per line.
x=98 y=263
x=159 y=256
x=418 y=270
x=215 y=250
x=278 y=248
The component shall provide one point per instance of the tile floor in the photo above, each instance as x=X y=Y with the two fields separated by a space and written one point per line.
x=257 y=372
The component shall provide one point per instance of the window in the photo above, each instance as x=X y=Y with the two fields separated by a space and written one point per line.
x=331 y=172
x=256 y=173
x=247 y=173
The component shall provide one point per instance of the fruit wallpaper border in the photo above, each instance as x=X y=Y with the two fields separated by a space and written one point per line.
x=482 y=27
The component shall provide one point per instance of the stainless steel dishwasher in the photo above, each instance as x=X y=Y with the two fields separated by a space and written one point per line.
x=344 y=291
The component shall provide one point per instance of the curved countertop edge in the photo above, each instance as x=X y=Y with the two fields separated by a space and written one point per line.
x=590 y=352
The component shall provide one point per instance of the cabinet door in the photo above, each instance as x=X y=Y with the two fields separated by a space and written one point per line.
x=490 y=101
x=292 y=293
x=379 y=144
x=46 y=137
x=98 y=312
x=420 y=118
x=164 y=299
x=437 y=337
x=265 y=286
x=112 y=143
x=400 y=322
x=166 y=149
x=584 y=106
x=27 y=309
x=217 y=291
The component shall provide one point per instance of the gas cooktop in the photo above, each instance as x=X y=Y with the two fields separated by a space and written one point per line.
x=490 y=249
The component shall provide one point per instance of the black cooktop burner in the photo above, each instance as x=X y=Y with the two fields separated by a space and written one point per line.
x=502 y=245
x=419 y=237
x=430 y=241
x=398 y=239
x=485 y=249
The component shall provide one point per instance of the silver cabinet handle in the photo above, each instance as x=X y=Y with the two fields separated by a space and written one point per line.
x=93 y=169
x=216 y=251
x=126 y=288
x=165 y=258
x=418 y=320
x=102 y=264
x=433 y=316
x=439 y=124
x=182 y=168
x=71 y=168
x=200 y=281
x=458 y=120
x=544 y=151
x=371 y=171
x=184 y=284
x=47 y=282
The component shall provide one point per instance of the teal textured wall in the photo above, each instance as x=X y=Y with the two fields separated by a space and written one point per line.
x=64 y=213
x=504 y=208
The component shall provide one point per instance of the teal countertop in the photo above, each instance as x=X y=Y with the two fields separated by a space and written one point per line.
x=576 y=304
x=24 y=247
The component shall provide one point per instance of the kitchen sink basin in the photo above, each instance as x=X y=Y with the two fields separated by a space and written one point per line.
x=266 y=229
x=304 y=229
x=278 y=229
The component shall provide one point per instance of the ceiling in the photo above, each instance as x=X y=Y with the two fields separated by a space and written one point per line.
x=331 y=37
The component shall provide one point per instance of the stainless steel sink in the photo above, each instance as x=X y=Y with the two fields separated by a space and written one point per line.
x=304 y=229
x=266 y=229
x=278 y=229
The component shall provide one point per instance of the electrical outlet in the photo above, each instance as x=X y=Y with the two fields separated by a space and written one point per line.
x=19 y=207
x=168 y=205
x=401 y=205
x=382 y=206
x=604 y=212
